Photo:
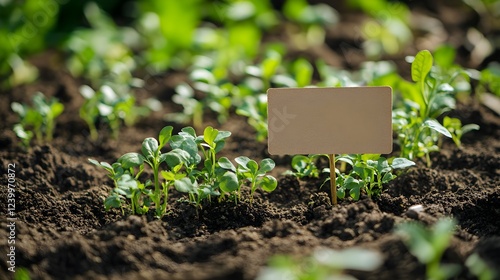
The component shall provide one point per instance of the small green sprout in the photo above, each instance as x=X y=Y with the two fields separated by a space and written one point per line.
x=111 y=107
x=369 y=173
x=432 y=94
x=39 y=120
x=215 y=96
x=456 y=129
x=255 y=109
x=322 y=264
x=305 y=166
x=428 y=246
x=249 y=170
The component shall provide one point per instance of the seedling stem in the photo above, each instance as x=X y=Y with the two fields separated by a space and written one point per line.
x=333 y=185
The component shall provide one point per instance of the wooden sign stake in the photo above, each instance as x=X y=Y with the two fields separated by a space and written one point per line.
x=318 y=120
x=333 y=185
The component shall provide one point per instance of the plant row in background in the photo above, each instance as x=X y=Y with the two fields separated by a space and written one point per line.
x=192 y=166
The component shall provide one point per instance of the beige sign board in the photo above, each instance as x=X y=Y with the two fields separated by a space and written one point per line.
x=349 y=120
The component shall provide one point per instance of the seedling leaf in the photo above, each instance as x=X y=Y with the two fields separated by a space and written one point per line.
x=225 y=163
x=268 y=183
x=165 y=135
x=400 y=163
x=266 y=165
x=129 y=160
x=421 y=66
x=186 y=185
x=149 y=147
x=229 y=182
x=435 y=125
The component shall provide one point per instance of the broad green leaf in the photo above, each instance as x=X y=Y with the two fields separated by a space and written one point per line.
x=149 y=147
x=268 y=183
x=106 y=165
x=228 y=182
x=176 y=157
x=341 y=193
x=469 y=127
x=112 y=201
x=242 y=161
x=388 y=177
x=165 y=135
x=366 y=157
x=171 y=176
x=266 y=165
x=209 y=135
x=129 y=160
x=189 y=131
x=421 y=66
x=186 y=185
x=225 y=163
x=253 y=166
x=354 y=193
x=383 y=166
x=435 y=125
x=222 y=135
x=400 y=163
x=299 y=162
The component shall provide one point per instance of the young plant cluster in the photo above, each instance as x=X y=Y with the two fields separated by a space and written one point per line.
x=109 y=106
x=38 y=120
x=416 y=125
x=190 y=166
x=359 y=173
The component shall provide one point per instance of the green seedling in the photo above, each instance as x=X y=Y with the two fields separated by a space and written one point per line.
x=249 y=170
x=454 y=126
x=322 y=264
x=152 y=156
x=428 y=246
x=106 y=105
x=215 y=96
x=125 y=174
x=38 y=120
x=368 y=173
x=201 y=184
x=304 y=166
x=255 y=109
x=432 y=95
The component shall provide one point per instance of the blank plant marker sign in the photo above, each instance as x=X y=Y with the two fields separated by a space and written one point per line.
x=350 y=120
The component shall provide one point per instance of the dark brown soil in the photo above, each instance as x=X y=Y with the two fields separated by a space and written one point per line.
x=63 y=232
